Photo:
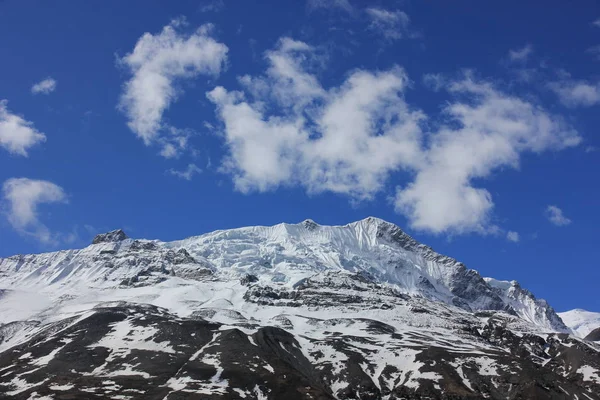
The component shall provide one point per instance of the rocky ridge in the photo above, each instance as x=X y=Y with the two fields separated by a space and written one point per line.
x=300 y=311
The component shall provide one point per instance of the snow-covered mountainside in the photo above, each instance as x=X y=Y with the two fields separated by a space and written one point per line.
x=360 y=311
x=581 y=322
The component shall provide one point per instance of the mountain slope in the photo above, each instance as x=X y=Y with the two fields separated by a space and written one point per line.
x=293 y=310
x=582 y=322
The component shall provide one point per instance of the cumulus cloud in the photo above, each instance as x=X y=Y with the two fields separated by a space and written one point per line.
x=22 y=197
x=512 y=236
x=574 y=93
x=556 y=216
x=344 y=139
x=157 y=63
x=520 y=55
x=391 y=25
x=488 y=130
x=284 y=129
x=16 y=134
x=46 y=86
x=187 y=173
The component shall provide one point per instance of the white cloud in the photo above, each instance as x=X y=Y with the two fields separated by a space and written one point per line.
x=595 y=51
x=285 y=79
x=525 y=74
x=16 y=134
x=596 y=23
x=157 y=63
x=488 y=130
x=23 y=196
x=330 y=4
x=187 y=173
x=520 y=55
x=391 y=25
x=435 y=82
x=46 y=86
x=556 y=216
x=574 y=93
x=345 y=139
x=212 y=6
x=173 y=141
x=286 y=129
x=512 y=236
x=169 y=151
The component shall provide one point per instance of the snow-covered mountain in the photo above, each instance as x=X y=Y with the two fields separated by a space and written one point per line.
x=581 y=322
x=354 y=311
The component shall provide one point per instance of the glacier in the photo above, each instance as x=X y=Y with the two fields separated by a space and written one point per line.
x=281 y=255
x=359 y=311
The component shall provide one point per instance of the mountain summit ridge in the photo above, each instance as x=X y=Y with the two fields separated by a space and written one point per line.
x=425 y=269
x=287 y=253
x=355 y=311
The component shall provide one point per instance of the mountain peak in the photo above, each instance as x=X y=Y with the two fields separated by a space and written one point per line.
x=117 y=235
x=375 y=221
x=285 y=254
x=375 y=226
x=292 y=297
x=309 y=224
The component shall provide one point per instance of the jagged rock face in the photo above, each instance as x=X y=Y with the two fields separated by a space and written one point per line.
x=112 y=236
x=301 y=311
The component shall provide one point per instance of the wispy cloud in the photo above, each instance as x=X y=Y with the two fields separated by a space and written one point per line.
x=174 y=141
x=22 y=197
x=156 y=63
x=188 y=173
x=576 y=93
x=392 y=25
x=435 y=82
x=344 y=5
x=595 y=51
x=596 y=23
x=17 y=135
x=520 y=55
x=46 y=86
x=350 y=139
x=556 y=216
x=212 y=6
x=512 y=236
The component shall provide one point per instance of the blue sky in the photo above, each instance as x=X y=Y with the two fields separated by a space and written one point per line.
x=471 y=125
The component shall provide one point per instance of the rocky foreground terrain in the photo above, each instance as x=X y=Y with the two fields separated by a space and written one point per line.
x=302 y=311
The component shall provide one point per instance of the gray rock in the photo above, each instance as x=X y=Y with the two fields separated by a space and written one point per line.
x=72 y=359
x=110 y=237
x=594 y=336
